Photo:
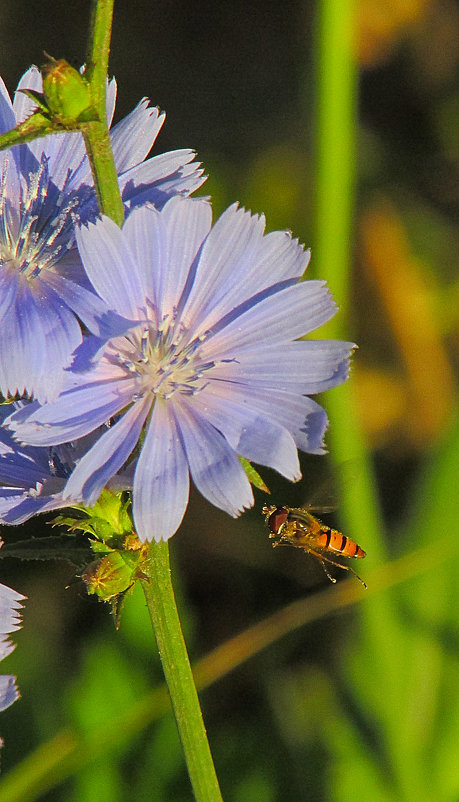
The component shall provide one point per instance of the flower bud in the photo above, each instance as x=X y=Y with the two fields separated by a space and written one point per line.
x=66 y=92
x=109 y=576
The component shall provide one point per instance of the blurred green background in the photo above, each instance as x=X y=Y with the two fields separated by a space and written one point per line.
x=356 y=694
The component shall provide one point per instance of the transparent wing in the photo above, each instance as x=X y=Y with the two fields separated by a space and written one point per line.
x=325 y=498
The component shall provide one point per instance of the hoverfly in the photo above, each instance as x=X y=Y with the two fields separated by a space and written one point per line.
x=297 y=526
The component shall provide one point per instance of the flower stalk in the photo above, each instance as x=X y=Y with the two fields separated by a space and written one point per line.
x=95 y=133
x=162 y=608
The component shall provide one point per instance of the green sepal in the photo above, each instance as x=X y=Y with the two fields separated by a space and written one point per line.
x=253 y=476
x=38 y=98
x=8 y=400
x=109 y=517
x=38 y=124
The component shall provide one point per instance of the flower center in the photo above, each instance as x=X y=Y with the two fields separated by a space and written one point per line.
x=163 y=359
x=36 y=220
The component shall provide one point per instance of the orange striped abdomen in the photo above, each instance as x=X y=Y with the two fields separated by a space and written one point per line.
x=332 y=540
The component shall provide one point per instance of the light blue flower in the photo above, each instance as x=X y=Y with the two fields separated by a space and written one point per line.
x=212 y=370
x=45 y=186
x=10 y=621
x=33 y=478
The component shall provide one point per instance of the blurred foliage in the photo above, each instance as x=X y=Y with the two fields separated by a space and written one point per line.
x=361 y=704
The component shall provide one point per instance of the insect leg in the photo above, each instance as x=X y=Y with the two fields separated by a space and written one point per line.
x=331 y=578
x=322 y=558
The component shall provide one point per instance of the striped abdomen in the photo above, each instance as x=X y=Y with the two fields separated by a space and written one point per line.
x=332 y=540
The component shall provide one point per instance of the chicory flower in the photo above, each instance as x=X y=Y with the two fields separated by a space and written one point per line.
x=209 y=367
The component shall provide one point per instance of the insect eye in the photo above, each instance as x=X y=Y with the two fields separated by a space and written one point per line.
x=277 y=519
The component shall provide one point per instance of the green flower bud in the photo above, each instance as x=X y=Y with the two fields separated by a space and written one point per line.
x=109 y=576
x=117 y=571
x=66 y=92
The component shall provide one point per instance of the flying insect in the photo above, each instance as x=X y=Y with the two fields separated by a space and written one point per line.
x=298 y=527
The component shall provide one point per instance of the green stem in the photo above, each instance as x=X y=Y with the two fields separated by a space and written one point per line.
x=162 y=607
x=335 y=199
x=335 y=193
x=100 y=29
x=335 y=148
x=98 y=148
x=96 y=136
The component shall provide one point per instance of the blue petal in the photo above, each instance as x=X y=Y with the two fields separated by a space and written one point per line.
x=21 y=470
x=300 y=415
x=286 y=315
x=133 y=137
x=309 y=436
x=6 y=646
x=10 y=620
x=66 y=157
x=10 y=605
x=92 y=310
x=186 y=223
x=161 y=177
x=74 y=414
x=17 y=508
x=304 y=367
x=39 y=335
x=107 y=456
x=146 y=237
x=8 y=691
x=9 y=285
x=231 y=242
x=61 y=333
x=215 y=468
x=111 y=90
x=111 y=267
x=161 y=482
x=250 y=433
x=23 y=105
x=7 y=116
x=11 y=170
x=238 y=262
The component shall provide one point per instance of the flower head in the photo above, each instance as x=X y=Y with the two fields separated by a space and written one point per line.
x=211 y=368
x=45 y=187
x=10 y=603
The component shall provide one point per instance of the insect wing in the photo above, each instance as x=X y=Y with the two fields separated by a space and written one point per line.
x=321 y=508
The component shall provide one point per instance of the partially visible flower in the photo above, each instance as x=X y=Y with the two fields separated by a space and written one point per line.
x=212 y=370
x=10 y=620
x=45 y=187
x=32 y=478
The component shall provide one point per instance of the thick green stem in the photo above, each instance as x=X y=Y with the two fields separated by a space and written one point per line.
x=96 y=136
x=177 y=670
x=100 y=30
x=97 y=141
